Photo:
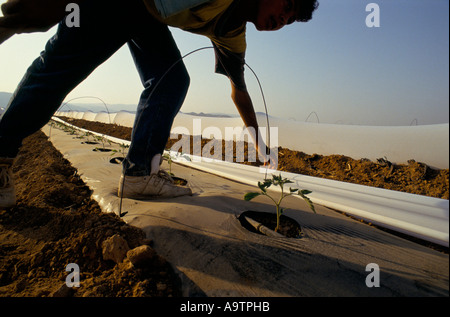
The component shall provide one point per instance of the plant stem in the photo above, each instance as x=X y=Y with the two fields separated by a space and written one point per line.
x=278 y=208
x=278 y=218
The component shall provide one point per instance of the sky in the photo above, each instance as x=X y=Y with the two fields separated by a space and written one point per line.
x=333 y=69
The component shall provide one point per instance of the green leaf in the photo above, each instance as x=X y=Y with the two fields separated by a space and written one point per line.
x=308 y=201
x=293 y=190
x=276 y=178
x=250 y=196
x=305 y=192
x=262 y=186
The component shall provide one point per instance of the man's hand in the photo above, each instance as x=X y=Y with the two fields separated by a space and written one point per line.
x=27 y=16
x=244 y=105
x=269 y=157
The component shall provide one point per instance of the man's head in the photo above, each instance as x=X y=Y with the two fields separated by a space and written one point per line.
x=274 y=14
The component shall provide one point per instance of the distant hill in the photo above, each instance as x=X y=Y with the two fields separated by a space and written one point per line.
x=99 y=107
x=4 y=98
x=202 y=114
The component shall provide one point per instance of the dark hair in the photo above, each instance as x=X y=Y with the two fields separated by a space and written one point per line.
x=305 y=9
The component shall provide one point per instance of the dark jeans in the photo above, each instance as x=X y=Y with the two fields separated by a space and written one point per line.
x=73 y=53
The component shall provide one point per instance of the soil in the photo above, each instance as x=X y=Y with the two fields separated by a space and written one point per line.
x=54 y=223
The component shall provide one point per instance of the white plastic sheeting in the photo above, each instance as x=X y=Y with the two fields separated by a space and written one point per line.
x=89 y=116
x=428 y=144
x=424 y=217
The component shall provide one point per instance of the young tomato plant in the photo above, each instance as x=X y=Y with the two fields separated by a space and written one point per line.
x=168 y=157
x=279 y=181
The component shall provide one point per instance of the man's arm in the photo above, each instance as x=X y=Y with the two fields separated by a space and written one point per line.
x=27 y=16
x=244 y=105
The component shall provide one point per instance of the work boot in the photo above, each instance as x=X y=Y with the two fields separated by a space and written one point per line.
x=157 y=185
x=7 y=191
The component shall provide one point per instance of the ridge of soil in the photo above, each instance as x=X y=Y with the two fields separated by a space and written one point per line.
x=54 y=223
x=414 y=177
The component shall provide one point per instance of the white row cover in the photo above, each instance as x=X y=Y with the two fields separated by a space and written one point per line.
x=428 y=144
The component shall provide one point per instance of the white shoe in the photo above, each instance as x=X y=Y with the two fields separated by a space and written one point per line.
x=157 y=185
x=7 y=190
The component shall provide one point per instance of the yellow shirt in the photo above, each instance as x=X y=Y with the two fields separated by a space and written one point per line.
x=205 y=20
